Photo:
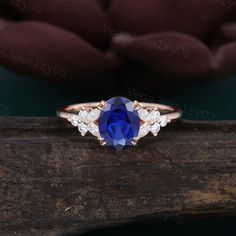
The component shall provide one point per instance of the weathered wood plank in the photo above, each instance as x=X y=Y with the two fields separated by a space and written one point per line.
x=53 y=181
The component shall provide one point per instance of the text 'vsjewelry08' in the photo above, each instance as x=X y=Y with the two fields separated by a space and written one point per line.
x=119 y=122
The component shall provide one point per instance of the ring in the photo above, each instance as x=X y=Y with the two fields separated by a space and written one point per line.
x=119 y=122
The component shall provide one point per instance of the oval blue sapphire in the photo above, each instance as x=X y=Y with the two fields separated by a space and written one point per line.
x=119 y=123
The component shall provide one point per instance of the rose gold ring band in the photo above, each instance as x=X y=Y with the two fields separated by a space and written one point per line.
x=68 y=111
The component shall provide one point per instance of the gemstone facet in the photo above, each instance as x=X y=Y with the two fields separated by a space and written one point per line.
x=119 y=123
x=144 y=130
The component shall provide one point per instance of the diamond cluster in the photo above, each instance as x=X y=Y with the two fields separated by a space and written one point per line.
x=152 y=122
x=86 y=121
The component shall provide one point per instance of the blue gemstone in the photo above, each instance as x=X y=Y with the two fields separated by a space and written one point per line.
x=119 y=123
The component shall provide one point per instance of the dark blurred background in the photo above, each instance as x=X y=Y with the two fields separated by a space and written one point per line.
x=182 y=53
x=215 y=226
x=24 y=96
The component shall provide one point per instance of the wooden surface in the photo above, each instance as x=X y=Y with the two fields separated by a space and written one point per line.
x=53 y=182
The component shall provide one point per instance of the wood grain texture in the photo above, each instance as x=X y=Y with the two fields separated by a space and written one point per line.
x=53 y=181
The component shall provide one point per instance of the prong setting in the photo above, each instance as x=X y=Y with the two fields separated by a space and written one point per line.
x=137 y=106
x=102 y=105
x=102 y=142
x=135 y=141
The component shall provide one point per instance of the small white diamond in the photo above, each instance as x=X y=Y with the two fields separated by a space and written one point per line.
x=163 y=121
x=83 y=128
x=94 y=115
x=144 y=130
x=83 y=116
x=143 y=114
x=93 y=129
x=74 y=120
x=155 y=129
x=154 y=116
